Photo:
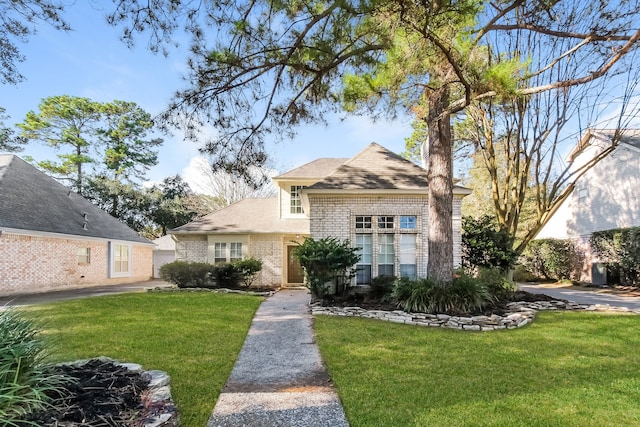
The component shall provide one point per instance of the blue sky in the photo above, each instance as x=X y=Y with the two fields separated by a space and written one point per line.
x=92 y=62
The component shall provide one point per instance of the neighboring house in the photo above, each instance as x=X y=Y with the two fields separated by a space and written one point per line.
x=376 y=199
x=604 y=198
x=52 y=238
x=164 y=252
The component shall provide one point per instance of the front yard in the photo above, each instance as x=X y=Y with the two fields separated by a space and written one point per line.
x=566 y=369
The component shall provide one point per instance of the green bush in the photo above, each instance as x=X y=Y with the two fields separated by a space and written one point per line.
x=247 y=269
x=484 y=245
x=619 y=250
x=556 y=259
x=226 y=275
x=25 y=381
x=464 y=295
x=498 y=286
x=325 y=261
x=188 y=274
x=381 y=287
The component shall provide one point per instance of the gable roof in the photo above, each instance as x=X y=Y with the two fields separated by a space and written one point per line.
x=33 y=201
x=248 y=216
x=318 y=168
x=630 y=137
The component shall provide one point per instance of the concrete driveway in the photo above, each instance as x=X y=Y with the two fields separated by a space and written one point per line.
x=59 y=295
x=581 y=296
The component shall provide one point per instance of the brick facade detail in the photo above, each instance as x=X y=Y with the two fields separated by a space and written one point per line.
x=40 y=263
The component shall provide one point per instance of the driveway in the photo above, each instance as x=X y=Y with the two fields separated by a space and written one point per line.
x=59 y=295
x=581 y=296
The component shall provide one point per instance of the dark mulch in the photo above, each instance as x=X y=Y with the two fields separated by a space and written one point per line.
x=100 y=394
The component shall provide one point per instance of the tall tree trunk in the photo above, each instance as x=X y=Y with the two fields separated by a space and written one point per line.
x=440 y=172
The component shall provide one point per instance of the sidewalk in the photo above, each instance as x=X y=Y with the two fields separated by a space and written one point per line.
x=279 y=378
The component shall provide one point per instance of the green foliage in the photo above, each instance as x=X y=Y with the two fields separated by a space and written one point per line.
x=500 y=288
x=326 y=260
x=556 y=259
x=247 y=269
x=619 y=249
x=484 y=245
x=25 y=383
x=381 y=287
x=188 y=274
x=9 y=143
x=464 y=295
x=226 y=275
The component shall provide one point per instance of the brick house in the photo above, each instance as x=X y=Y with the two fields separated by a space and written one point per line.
x=376 y=199
x=52 y=238
x=604 y=198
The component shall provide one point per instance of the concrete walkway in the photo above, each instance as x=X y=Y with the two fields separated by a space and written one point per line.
x=279 y=378
x=581 y=296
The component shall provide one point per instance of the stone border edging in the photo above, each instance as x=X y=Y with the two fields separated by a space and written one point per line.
x=520 y=314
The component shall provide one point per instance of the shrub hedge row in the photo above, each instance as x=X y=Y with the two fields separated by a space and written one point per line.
x=204 y=275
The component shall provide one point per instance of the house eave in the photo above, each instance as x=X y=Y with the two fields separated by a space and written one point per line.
x=36 y=233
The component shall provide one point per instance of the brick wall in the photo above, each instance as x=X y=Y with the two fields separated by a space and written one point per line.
x=333 y=216
x=191 y=248
x=39 y=263
x=268 y=248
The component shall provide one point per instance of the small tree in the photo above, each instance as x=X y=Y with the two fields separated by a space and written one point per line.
x=327 y=260
x=558 y=259
x=484 y=245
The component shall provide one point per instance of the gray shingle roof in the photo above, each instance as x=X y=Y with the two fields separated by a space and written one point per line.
x=375 y=168
x=318 y=168
x=245 y=217
x=31 y=200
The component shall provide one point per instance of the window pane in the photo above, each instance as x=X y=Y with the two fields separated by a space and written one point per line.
x=84 y=255
x=385 y=270
x=220 y=252
x=364 y=243
x=408 y=256
x=385 y=249
x=385 y=222
x=236 y=252
x=296 y=201
x=363 y=222
x=121 y=258
x=363 y=275
x=408 y=222
x=408 y=270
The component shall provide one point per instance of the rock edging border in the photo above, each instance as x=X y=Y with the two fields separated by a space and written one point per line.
x=520 y=314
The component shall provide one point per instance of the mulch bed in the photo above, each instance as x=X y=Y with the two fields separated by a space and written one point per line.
x=101 y=394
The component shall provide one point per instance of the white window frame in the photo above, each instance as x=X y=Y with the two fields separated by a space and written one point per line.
x=235 y=248
x=84 y=255
x=364 y=262
x=295 y=203
x=115 y=248
x=220 y=253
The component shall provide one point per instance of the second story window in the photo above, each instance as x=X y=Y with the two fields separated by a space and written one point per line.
x=296 y=201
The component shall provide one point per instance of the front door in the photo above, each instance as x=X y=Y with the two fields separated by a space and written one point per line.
x=295 y=274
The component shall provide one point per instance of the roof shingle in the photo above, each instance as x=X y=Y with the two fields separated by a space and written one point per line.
x=31 y=200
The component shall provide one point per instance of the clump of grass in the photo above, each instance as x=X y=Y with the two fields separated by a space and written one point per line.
x=25 y=381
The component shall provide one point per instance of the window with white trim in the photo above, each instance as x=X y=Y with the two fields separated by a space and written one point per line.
x=386 y=256
x=84 y=255
x=407 y=257
x=219 y=252
x=363 y=222
x=408 y=222
x=296 y=200
x=364 y=243
x=235 y=251
x=120 y=259
x=385 y=222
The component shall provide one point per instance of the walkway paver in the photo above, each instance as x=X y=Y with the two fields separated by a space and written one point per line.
x=279 y=378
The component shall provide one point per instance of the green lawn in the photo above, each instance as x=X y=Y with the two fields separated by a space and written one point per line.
x=195 y=337
x=565 y=369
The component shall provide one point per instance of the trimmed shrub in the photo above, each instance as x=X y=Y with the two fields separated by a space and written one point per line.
x=619 y=250
x=413 y=295
x=188 y=274
x=556 y=259
x=226 y=275
x=25 y=382
x=326 y=261
x=484 y=245
x=247 y=270
x=381 y=287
